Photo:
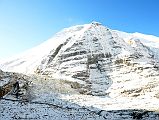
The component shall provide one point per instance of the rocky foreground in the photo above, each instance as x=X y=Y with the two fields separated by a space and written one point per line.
x=61 y=100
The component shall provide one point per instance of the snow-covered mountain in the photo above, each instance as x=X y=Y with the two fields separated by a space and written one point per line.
x=28 y=61
x=91 y=54
x=101 y=69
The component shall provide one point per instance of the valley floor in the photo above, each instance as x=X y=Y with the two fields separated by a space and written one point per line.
x=78 y=107
x=57 y=100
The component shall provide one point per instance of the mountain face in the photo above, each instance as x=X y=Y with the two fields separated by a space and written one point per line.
x=84 y=72
x=93 y=55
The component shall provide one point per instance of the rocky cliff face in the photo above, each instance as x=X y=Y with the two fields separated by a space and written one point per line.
x=13 y=84
x=97 y=55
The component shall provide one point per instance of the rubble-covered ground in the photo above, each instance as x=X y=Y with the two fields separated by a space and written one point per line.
x=60 y=100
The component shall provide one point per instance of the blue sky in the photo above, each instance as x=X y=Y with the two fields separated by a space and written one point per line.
x=27 y=23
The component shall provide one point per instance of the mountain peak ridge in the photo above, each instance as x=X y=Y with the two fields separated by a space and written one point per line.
x=91 y=31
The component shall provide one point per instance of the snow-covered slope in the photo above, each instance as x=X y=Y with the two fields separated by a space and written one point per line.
x=28 y=61
x=148 y=40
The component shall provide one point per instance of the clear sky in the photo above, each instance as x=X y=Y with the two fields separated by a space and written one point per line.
x=27 y=23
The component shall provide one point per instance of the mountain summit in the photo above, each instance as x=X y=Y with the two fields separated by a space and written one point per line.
x=91 y=54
